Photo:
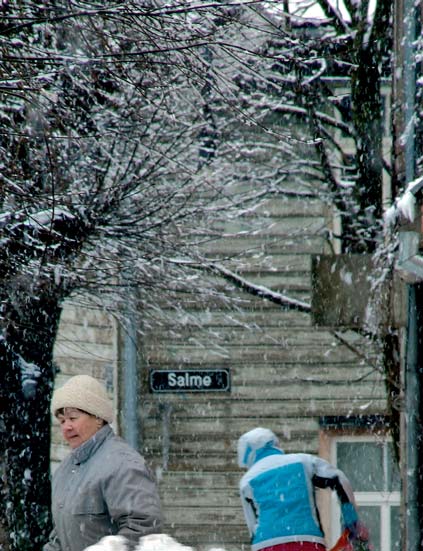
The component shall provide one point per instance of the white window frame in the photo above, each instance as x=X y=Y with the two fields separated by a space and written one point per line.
x=383 y=499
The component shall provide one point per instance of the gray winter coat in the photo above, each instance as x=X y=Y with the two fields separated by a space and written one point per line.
x=103 y=487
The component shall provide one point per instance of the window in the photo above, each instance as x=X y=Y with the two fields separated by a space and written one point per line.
x=370 y=466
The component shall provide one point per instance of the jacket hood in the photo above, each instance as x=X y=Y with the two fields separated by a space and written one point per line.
x=252 y=442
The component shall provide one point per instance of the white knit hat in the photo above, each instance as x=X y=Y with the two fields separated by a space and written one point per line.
x=252 y=441
x=85 y=393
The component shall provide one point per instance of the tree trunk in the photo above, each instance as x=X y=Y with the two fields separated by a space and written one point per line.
x=367 y=119
x=26 y=353
x=372 y=46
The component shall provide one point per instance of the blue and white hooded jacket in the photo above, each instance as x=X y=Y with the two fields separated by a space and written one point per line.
x=278 y=491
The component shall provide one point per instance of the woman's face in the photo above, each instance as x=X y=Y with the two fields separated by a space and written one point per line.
x=77 y=426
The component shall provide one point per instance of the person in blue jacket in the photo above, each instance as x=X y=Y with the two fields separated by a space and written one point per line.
x=278 y=495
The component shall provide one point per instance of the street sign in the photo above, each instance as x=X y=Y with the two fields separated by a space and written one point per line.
x=190 y=380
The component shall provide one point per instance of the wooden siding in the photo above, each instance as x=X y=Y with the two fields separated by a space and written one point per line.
x=86 y=343
x=285 y=374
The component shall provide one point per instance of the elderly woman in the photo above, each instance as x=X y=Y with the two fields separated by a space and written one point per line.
x=103 y=486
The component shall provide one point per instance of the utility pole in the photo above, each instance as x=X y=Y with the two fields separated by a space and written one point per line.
x=404 y=129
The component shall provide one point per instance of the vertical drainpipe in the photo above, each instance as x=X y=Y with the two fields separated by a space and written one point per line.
x=409 y=73
x=412 y=378
x=131 y=387
x=412 y=406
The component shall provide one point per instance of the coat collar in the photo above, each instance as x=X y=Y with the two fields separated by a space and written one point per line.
x=265 y=452
x=83 y=452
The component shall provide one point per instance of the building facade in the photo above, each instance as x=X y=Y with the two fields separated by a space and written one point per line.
x=319 y=389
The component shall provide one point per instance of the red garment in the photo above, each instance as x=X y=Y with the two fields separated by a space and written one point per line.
x=296 y=546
